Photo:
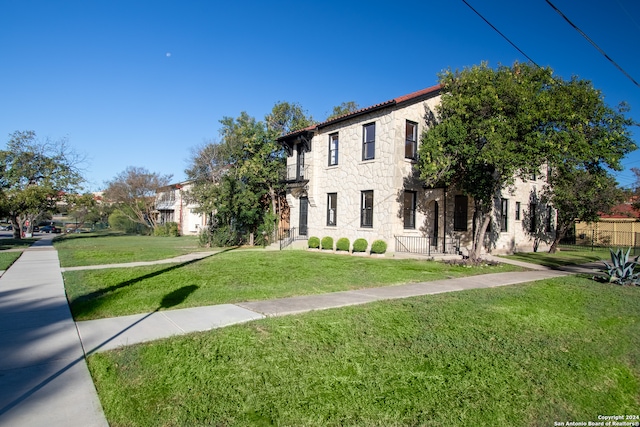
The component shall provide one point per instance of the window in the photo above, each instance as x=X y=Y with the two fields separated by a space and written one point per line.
x=549 y=219
x=366 y=208
x=332 y=203
x=411 y=140
x=460 y=213
x=533 y=225
x=333 y=149
x=369 y=141
x=517 y=211
x=504 y=209
x=409 y=209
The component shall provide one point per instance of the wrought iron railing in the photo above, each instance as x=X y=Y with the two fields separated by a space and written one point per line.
x=297 y=174
x=289 y=235
x=427 y=245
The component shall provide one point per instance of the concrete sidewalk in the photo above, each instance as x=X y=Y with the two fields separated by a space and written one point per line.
x=44 y=377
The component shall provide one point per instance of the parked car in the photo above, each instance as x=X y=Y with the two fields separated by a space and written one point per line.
x=6 y=227
x=49 y=229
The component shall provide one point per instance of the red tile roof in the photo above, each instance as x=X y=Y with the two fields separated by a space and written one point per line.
x=433 y=90
x=622 y=211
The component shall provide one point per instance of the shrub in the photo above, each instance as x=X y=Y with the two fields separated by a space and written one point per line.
x=343 y=244
x=378 y=247
x=314 y=242
x=327 y=243
x=360 y=245
x=621 y=269
x=168 y=229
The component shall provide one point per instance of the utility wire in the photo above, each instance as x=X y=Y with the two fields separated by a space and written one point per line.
x=592 y=42
x=503 y=36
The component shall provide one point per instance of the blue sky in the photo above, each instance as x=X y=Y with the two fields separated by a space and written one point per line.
x=141 y=83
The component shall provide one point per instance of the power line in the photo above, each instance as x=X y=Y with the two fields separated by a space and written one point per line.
x=592 y=42
x=503 y=36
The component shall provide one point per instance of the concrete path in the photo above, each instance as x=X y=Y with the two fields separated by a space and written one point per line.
x=107 y=334
x=44 y=380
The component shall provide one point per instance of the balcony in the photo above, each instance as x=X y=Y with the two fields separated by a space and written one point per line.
x=297 y=174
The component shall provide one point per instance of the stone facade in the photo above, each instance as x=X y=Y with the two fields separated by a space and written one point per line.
x=357 y=177
x=173 y=206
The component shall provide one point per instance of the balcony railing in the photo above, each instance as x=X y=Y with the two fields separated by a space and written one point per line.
x=297 y=174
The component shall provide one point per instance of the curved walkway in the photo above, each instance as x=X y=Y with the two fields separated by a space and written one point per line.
x=44 y=376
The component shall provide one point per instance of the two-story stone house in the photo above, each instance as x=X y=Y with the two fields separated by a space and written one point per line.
x=355 y=176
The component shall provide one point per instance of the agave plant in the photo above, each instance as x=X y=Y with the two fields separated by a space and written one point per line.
x=621 y=269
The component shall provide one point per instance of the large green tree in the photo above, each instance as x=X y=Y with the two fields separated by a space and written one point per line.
x=484 y=133
x=342 y=109
x=237 y=181
x=133 y=191
x=34 y=175
x=591 y=139
x=494 y=125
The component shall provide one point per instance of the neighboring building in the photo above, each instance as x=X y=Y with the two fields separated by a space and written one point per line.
x=621 y=227
x=173 y=206
x=355 y=176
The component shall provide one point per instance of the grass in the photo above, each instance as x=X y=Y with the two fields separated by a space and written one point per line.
x=559 y=350
x=566 y=256
x=8 y=258
x=93 y=249
x=11 y=249
x=236 y=276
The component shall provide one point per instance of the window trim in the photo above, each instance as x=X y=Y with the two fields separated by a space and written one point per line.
x=371 y=143
x=366 y=212
x=411 y=210
x=331 y=196
x=333 y=150
x=413 y=143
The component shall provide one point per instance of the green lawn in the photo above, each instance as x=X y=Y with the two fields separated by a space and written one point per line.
x=236 y=276
x=569 y=255
x=8 y=258
x=559 y=350
x=92 y=249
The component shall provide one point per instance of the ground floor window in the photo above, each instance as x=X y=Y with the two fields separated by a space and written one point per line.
x=366 y=209
x=460 y=213
x=504 y=209
x=409 y=209
x=332 y=205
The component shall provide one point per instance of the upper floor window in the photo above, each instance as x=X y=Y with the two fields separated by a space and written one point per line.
x=366 y=209
x=332 y=205
x=333 y=149
x=409 y=209
x=460 y=214
x=518 y=211
x=369 y=141
x=411 y=140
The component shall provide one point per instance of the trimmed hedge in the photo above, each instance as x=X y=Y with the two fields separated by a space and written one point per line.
x=327 y=243
x=378 y=247
x=360 y=245
x=343 y=244
x=314 y=243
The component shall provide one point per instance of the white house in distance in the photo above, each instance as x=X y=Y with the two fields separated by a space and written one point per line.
x=355 y=176
x=173 y=206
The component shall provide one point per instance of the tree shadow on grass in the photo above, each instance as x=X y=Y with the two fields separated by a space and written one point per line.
x=169 y=300
x=88 y=303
